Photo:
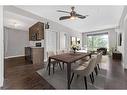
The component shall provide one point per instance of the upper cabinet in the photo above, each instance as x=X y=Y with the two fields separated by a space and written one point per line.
x=36 y=32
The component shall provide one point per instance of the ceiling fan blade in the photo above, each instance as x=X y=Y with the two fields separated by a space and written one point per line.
x=81 y=16
x=64 y=17
x=62 y=11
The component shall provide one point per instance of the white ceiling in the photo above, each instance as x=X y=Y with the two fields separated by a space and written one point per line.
x=13 y=20
x=100 y=17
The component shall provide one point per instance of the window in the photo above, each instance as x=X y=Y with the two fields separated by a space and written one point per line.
x=97 y=41
x=75 y=41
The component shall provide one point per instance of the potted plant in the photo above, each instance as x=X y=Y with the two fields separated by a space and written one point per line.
x=74 y=47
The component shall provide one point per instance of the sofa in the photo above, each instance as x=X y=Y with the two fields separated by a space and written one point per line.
x=103 y=50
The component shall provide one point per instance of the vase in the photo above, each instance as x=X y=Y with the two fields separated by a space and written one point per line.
x=74 y=50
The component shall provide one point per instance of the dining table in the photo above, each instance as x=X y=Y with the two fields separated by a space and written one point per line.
x=67 y=58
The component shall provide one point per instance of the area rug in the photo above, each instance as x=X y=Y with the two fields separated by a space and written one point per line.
x=59 y=79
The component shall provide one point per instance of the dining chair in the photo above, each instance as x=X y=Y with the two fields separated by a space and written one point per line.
x=85 y=61
x=59 y=52
x=99 y=60
x=53 y=62
x=98 y=55
x=65 y=51
x=85 y=71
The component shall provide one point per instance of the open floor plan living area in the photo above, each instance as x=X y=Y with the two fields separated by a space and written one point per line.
x=62 y=47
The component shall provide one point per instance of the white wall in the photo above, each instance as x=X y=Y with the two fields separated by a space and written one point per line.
x=56 y=40
x=112 y=34
x=119 y=48
x=1 y=47
x=123 y=29
x=51 y=40
x=125 y=43
x=54 y=26
x=14 y=42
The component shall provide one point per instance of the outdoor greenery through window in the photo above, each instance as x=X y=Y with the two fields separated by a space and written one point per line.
x=96 y=41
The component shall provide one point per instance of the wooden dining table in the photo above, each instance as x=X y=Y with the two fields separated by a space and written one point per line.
x=67 y=58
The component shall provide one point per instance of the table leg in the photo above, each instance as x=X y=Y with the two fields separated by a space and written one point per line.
x=90 y=55
x=68 y=74
x=49 y=61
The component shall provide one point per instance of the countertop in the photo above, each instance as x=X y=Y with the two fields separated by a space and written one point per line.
x=35 y=47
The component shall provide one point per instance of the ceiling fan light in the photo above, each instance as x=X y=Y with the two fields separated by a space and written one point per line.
x=72 y=17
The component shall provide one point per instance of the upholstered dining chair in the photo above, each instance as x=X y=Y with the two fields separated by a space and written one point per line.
x=99 y=60
x=53 y=62
x=59 y=52
x=85 y=71
x=65 y=51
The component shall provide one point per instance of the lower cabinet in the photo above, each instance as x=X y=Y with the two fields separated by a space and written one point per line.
x=117 y=55
x=34 y=55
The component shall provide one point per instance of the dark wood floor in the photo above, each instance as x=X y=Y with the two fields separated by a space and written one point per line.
x=21 y=75
x=116 y=75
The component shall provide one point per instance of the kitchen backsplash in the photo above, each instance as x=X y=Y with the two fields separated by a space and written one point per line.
x=33 y=43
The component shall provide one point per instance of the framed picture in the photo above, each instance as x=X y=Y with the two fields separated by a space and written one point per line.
x=120 y=39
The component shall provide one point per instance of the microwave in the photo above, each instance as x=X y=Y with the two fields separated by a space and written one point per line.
x=38 y=44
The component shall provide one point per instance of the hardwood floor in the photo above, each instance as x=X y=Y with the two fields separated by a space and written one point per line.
x=116 y=76
x=21 y=75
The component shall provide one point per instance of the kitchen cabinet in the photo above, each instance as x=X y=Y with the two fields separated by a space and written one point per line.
x=34 y=55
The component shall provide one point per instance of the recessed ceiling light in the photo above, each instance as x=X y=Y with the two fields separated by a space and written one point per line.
x=16 y=24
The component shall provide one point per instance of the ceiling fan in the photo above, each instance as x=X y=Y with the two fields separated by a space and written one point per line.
x=73 y=15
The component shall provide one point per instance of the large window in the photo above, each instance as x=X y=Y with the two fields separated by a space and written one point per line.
x=97 y=41
x=75 y=40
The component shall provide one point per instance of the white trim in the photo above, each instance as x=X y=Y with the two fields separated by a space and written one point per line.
x=13 y=56
x=1 y=48
x=45 y=60
x=125 y=66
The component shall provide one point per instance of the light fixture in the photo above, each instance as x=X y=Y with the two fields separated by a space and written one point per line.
x=72 y=17
x=16 y=24
x=47 y=25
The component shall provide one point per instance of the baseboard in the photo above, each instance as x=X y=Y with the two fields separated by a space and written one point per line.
x=125 y=66
x=1 y=82
x=45 y=60
x=14 y=56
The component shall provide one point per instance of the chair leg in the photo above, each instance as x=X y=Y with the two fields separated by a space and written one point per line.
x=53 y=68
x=96 y=70
x=63 y=65
x=77 y=76
x=85 y=80
x=98 y=66
x=60 y=65
x=91 y=78
x=47 y=67
x=71 y=78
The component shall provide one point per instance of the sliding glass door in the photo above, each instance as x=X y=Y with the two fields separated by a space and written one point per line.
x=97 y=41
